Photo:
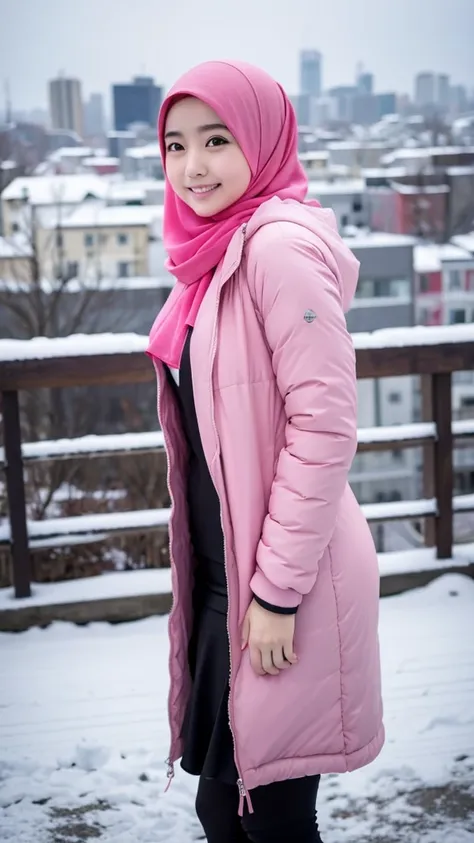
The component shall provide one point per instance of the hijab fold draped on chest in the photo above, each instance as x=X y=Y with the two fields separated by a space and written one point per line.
x=260 y=117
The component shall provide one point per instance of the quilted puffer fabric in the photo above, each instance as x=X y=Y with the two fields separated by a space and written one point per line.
x=275 y=391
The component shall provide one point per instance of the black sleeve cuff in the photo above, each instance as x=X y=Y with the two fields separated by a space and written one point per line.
x=278 y=610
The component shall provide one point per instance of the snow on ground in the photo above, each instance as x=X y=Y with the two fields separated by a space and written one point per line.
x=83 y=733
x=106 y=586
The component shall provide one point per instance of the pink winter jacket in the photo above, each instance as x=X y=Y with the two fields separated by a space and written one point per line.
x=275 y=391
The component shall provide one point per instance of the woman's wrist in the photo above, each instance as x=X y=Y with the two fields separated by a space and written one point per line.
x=278 y=610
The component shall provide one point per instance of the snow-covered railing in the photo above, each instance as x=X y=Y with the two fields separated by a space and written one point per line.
x=90 y=446
x=433 y=353
x=121 y=444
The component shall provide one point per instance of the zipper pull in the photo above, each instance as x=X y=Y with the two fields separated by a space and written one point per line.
x=169 y=773
x=244 y=794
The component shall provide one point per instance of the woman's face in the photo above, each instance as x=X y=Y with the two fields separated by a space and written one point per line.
x=204 y=163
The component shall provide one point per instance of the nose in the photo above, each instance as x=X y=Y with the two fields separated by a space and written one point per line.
x=195 y=164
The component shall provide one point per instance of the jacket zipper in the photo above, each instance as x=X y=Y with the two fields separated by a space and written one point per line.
x=243 y=793
x=169 y=761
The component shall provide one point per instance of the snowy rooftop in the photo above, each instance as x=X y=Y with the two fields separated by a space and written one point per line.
x=383 y=172
x=48 y=190
x=84 y=735
x=314 y=155
x=430 y=151
x=115 y=133
x=8 y=165
x=429 y=257
x=91 y=215
x=14 y=247
x=71 y=152
x=422 y=189
x=359 y=144
x=133 y=189
x=101 y=161
x=342 y=187
x=461 y=171
x=150 y=150
x=75 y=285
x=378 y=240
x=465 y=241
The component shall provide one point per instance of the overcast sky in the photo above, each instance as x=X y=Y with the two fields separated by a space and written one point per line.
x=105 y=41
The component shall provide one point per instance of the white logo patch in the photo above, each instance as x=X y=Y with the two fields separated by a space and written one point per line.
x=309 y=316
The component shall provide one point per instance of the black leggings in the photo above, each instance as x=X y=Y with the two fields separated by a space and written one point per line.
x=284 y=812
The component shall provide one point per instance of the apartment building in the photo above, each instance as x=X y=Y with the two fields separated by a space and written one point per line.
x=346 y=197
x=101 y=241
x=384 y=299
x=30 y=202
x=444 y=284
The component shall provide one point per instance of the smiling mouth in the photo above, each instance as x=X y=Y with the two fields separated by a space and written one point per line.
x=201 y=191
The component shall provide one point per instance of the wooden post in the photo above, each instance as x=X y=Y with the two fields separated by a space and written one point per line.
x=443 y=467
x=16 y=494
x=429 y=490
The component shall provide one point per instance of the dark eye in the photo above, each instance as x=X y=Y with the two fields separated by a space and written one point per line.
x=171 y=147
x=216 y=141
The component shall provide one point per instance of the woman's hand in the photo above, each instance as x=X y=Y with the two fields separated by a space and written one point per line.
x=270 y=639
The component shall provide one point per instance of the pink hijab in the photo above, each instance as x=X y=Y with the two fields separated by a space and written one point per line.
x=261 y=118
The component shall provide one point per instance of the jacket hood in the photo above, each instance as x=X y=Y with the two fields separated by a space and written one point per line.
x=321 y=225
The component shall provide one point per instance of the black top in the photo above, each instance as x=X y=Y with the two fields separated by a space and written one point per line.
x=203 y=501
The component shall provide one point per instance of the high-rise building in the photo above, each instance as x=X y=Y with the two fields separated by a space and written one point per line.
x=364 y=109
x=365 y=83
x=311 y=62
x=387 y=104
x=344 y=96
x=65 y=104
x=94 y=122
x=425 y=89
x=443 y=91
x=458 y=99
x=136 y=102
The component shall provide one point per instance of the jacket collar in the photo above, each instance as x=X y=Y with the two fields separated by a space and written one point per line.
x=233 y=256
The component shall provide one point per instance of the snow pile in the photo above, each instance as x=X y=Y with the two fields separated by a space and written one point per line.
x=78 y=345
x=106 y=586
x=83 y=732
x=96 y=526
x=399 y=509
x=92 y=444
x=396 y=432
x=418 y=335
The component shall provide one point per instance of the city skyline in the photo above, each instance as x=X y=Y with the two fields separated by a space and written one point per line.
x=433 y=37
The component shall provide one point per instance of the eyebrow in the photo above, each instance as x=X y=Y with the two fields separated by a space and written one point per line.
x=208 y=127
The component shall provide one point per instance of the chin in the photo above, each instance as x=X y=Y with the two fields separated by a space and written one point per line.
x=207 y=210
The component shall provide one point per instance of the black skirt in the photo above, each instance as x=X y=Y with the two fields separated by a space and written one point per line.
x=208 y=743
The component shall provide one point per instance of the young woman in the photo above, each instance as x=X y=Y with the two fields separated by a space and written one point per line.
x=274 y=657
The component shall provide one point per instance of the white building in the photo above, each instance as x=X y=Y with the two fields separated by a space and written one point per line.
x=65 y=103
x=102 y=241
x=143 y=162
x=348 y=199
x=425 y=89
x=39 y=200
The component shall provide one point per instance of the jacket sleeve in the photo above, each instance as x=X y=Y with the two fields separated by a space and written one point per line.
x=299 y=301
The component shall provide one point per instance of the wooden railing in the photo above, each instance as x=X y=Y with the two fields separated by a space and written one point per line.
x=434 y=354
